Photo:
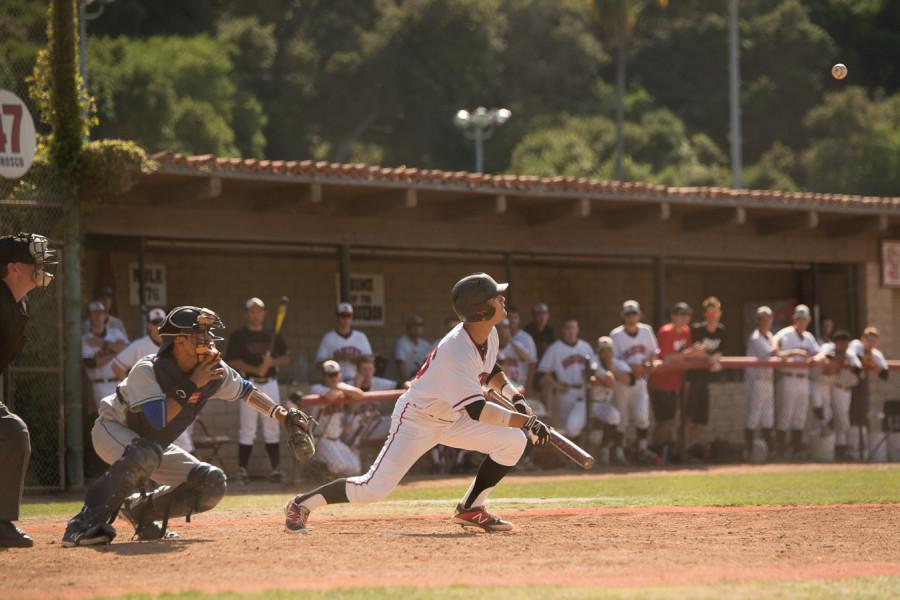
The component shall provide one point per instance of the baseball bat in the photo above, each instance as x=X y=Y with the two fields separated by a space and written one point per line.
x=280 y=313
x=567 y=447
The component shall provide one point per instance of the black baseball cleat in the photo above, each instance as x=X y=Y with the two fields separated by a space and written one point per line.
x=477 y=516
x=13 y=537
x=79 y=534
x=131 y=511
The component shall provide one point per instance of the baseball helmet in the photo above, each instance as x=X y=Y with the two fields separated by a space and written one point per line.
x=196 y=322
x=31 y=249
x=471 y=294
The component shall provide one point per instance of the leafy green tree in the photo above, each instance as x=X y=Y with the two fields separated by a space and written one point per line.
x=174 y=93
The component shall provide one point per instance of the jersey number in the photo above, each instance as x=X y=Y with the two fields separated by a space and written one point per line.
x=427 y=363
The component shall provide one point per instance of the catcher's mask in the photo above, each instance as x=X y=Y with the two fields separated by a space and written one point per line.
x=198 y=323
x=29 y=249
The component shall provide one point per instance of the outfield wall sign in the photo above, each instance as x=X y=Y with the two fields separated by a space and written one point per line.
x=17 y=137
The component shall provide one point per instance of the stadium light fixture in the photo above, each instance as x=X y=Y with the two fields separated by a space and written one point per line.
x=480 y=125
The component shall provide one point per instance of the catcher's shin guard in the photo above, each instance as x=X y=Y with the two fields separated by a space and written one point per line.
x=150 y=513
x=103 y=498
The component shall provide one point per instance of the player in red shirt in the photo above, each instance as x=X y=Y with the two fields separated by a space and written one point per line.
x=674 y=340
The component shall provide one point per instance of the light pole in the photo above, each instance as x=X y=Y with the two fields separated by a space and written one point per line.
x=479 y=125
x=83 y=17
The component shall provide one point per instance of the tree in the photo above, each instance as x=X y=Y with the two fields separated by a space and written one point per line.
x=618 y=19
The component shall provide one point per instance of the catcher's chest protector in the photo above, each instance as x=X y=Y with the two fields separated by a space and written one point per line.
x=174 y=383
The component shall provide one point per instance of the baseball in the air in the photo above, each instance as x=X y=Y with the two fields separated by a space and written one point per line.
x=839 y=71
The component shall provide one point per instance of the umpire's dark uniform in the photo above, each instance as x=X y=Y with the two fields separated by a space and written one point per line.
x=15 y=443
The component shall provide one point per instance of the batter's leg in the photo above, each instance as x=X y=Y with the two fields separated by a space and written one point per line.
x=246 y=435
x=503 y=446
x=410 y=438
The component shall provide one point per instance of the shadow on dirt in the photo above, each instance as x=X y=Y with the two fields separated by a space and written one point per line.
x=135 y=548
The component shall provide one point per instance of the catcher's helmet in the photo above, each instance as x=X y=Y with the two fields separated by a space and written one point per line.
x=193 y=321
x=470 y=297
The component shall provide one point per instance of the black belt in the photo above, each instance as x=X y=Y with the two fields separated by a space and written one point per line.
x=800 y=375
x=113 y=380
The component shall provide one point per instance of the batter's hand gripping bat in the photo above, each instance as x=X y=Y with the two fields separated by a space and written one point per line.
x=567 y=447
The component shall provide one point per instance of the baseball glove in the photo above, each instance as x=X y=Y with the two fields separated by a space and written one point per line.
x=300 y=427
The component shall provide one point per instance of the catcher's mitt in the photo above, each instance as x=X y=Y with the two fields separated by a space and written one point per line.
x=300 y=427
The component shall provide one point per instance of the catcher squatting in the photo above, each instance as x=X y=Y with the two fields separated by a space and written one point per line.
x=150 y=480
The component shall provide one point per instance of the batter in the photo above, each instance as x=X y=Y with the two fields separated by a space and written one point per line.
x=445 y=404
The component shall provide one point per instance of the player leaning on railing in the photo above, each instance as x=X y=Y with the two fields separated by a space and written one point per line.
x=161 y=396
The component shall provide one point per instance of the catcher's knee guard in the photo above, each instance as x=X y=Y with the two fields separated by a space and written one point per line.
x=149 y=513
x=140 y=459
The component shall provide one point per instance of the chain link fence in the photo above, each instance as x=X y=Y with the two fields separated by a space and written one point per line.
x=32 y=385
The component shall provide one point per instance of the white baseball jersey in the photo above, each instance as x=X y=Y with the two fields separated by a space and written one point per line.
x=453 y=375
x=355 y=343
x=135 y=351
x=110 y=336
x=790 y=339
x=759 y=345
x=567 y=363
x=634 y=349
x=413 y=355
x=856 y=347
x=845 y=377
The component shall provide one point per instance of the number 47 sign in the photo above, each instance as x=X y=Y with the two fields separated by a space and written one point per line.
x=17 y=139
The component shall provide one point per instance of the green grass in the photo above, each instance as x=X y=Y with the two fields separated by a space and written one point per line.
x=832 y=486
x=873 y=587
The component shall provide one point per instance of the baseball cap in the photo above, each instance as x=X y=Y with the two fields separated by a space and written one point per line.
x=254 y=301
x=631 y=306
x=504 y=322
x=763 y=310
x=414 y=320
x=605 y=343
x=96 y=306
x=801 y=311
x=156 y=314
x=106 y=291
x=540 y=307
x=330 y=367
x=681 y=308
x=344 y=308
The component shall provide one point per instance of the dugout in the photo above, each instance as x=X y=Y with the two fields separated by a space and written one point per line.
x=227 y=229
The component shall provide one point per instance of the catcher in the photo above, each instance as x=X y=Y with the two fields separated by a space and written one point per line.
x=161 y=396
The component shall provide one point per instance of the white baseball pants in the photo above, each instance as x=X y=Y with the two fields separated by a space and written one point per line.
x=760 y=403
x=604 y=412
x=840 y=411
x=793 y=401
x=250 y=418
x=633 y=403
x=110 y=439
x=414 y=432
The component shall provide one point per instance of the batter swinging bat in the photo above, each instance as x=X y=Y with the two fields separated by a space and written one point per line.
x=567 y=447
x=279 y=320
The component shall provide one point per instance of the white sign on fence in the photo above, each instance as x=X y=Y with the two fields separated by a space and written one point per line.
x=17 y=138
x=367 y=298
x=154 y=285
x=890 y=263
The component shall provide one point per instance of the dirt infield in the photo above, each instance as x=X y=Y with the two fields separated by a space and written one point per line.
x=249 y=551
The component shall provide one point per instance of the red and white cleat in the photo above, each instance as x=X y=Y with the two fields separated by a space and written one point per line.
x=477 y=516
x=295 y=517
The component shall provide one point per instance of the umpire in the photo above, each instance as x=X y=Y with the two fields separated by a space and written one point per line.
x=22 y=261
